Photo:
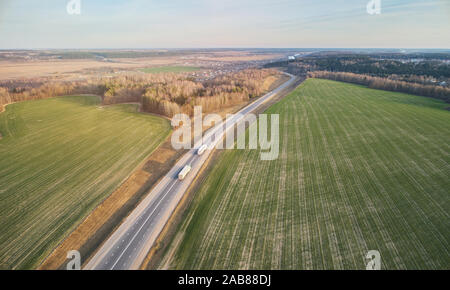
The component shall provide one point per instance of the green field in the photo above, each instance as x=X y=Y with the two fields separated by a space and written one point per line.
x=358 y=170
x=59 y=158
x=169 y=69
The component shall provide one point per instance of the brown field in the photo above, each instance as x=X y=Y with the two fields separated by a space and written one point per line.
x=238 y=56
x=10 y=70
x=67 y=68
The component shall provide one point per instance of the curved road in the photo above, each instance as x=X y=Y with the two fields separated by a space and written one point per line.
x=128 y=246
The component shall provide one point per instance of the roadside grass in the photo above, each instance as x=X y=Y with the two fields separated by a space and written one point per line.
x=358 y=170
x=59 y=158
x=170 y=69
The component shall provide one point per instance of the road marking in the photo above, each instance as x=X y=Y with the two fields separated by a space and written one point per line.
x=191 y=158
x=140 y=228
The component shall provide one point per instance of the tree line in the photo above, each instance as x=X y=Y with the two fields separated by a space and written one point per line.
x=165 y=94
x=437 y=92
x=381 y=66
x=181 y=96
x=424 y=68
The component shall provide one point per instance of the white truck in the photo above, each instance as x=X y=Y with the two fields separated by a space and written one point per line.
x=184 y=172
x=202 y=149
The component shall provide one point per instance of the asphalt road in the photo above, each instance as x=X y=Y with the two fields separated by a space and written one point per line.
x=128 y=246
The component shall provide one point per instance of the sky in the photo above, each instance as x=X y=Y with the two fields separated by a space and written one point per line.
x=31 y=24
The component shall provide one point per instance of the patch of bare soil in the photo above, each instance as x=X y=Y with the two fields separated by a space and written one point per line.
x=101 y=223
x=95 y=229
x=235 y=56
x=10 y=70
x=277 y=81
x=160 y=254
x=156 y=253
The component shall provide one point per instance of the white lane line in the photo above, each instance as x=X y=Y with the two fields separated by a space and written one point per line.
x=140 y=228
x=233 y=121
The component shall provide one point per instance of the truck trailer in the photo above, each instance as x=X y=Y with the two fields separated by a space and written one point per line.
x=202 y=149
x=184 y=172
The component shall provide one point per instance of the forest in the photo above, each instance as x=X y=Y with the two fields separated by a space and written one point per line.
x=165 y=94
x=423 y=74
x=437 y=92
x=434 y=66
x=381 y=67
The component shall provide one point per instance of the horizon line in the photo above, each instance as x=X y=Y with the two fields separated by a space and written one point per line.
x=228 y=48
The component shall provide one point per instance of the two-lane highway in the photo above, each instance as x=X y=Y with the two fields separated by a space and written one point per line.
x=128 y=246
